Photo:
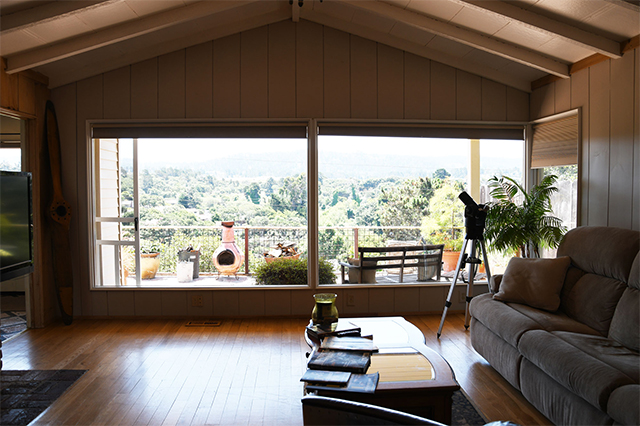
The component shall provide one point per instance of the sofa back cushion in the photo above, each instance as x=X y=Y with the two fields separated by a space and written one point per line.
x=592 y=300
x=601 y=262
x=625 y=324
x=602 y=250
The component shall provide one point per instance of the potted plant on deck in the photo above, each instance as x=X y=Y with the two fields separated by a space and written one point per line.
x=522 y=222
x=149 y=260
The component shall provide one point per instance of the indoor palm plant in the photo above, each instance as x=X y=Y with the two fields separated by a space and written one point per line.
x=522 y=222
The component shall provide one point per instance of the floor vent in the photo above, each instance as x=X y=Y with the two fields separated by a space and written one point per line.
x=205 y=323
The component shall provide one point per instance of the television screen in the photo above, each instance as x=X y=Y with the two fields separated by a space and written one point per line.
x=15 y=225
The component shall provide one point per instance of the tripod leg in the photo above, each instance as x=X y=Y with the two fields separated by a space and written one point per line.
x=447 y=303
x=472 y=273
x=486 y=263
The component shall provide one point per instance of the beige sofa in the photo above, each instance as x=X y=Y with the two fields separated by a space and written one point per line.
x=578 y=364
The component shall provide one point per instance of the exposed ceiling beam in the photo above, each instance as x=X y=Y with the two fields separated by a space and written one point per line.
x=263 y=13
x=47 y=12
x=632 y=5
x=468 y=37
x=117 y=33
x=547 y=25
x=402 y=44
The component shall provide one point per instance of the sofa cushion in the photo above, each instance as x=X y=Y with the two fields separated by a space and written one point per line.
x=601 y=250
x=511 y=320
x=554 y=321
x=534 y=282
x=624 y=405
x=592 y=300
x=501 y=319
x=503 y=357
x=634 y=275
x=625 y=324
x=556 y=402
x=606 y=350
x=565 y=360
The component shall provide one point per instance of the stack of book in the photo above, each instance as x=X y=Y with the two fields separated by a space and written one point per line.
x=341 y=363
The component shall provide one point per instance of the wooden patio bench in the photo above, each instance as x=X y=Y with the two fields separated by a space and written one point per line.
x=420 y=256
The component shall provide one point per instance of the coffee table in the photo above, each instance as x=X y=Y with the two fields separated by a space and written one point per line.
x=413 y=378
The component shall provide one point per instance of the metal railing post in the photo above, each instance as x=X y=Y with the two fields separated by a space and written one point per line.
x=355 y=242
x=246 y=251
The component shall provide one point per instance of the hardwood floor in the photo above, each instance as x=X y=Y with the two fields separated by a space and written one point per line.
x=244 y=372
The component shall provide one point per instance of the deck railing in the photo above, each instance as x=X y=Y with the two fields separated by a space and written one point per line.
x=335 y=243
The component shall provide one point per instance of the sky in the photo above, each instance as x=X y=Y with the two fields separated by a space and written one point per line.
x=188 y=150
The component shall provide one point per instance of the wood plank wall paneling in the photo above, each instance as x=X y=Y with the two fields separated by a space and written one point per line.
x=494 y=101
x=599 y=140
x=309 y=68
x=117 y=93
x=337 y=79
x=636 y=144
x=254 y=79
x=468 y=96
x=226 y=77
x=443 y=87
x=517 y=105
x=580 y=99
x=281 y=70
x=417 y=87
x=390 y=82
x=610 y=146
x=621 y=145
x=172 y=85
x=144 y=89
x=199 y=81
x=89 y=106
x=364 y=78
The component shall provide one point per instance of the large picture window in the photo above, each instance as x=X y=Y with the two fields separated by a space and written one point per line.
x=230 y=206
x=192 y=212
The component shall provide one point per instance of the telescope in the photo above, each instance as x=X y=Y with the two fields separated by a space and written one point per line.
x=475 y=216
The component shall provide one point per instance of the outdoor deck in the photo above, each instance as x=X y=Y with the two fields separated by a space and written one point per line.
x=213 y=280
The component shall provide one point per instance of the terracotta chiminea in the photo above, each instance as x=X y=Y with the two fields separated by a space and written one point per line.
x=227 y=258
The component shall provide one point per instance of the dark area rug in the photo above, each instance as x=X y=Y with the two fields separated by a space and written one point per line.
x=463 y=413
x=12 y=323
x=27 y=393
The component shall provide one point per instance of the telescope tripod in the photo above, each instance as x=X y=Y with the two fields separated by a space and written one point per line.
x=473 y=262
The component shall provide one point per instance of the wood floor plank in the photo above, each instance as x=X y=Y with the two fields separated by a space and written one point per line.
x=244 y=372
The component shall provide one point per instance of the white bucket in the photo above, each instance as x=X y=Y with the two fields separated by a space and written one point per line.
x=185 y=272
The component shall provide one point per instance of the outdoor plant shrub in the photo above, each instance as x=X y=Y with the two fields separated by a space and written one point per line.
x=292 y=271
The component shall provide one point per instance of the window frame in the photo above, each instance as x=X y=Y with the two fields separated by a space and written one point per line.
x=312 y=125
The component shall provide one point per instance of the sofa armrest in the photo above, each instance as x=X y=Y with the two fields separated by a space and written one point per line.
x=494 y=283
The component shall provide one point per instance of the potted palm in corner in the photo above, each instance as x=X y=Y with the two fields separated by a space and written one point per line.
x=522 y=222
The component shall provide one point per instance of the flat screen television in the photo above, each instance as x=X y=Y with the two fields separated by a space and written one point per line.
x=16 y=225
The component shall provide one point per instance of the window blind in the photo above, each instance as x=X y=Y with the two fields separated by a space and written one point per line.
x=555 y=142
x=199 y=130
x=457 y=131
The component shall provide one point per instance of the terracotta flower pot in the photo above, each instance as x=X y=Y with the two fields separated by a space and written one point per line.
x=450 y=260
x=149 y=264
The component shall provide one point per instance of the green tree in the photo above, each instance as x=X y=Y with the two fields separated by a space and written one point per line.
x=253 y=193
x=291 y=196
x=441 y=174
x=187 y=201
x=406 y=204
x=445 y=221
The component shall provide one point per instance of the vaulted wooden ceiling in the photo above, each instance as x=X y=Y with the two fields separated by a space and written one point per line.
x=517 y=42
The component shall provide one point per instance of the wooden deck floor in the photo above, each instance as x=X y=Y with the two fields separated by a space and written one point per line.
x=244 y=372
